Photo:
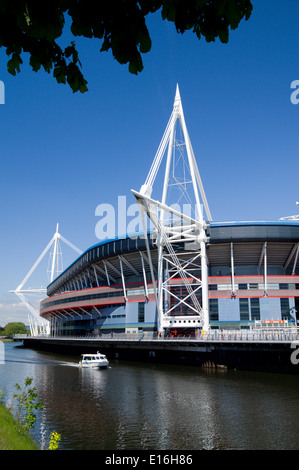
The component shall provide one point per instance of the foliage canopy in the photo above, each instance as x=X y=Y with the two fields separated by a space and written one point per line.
x=34 y=27
x=14 y=328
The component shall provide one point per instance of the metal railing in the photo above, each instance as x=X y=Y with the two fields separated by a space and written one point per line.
x=253 y=335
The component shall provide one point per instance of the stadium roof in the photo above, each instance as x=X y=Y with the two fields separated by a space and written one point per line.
x=248 y=238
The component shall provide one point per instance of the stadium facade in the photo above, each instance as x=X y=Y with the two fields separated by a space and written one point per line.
x=253 y=280
x=187 y=275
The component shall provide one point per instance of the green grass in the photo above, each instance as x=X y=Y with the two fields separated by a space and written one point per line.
x=12 y=435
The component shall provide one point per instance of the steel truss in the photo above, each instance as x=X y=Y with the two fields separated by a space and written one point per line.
x=37 y=324
x=180 y=239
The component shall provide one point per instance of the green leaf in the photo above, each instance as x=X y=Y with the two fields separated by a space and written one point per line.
x=59 y=74
x=135 y=66
x=223 y=36
x=13 y=65
x=145 y=44
x=75 y=79
x=35 y=63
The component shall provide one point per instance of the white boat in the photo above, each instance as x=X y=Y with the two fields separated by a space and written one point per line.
x=94 y=360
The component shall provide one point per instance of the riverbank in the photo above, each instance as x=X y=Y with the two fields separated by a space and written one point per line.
x=12 y=436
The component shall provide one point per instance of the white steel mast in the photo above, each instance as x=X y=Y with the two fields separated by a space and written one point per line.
x=191 y=231
x=40 y=325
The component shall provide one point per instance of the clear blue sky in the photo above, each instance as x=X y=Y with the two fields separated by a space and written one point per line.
x=62 y=154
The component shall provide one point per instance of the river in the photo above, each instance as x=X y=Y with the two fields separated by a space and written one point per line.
x=143 y=406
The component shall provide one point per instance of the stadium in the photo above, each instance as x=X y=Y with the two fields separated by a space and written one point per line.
x=108 y=289
x=184 y=277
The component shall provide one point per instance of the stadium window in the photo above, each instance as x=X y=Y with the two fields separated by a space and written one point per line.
x=141 y=312
x=285 y=308
x=283 y=286
x=255 y=309
x=214 y=314
x=242 y=286
x=224 y=286
x=244 y=309
x=273 y=286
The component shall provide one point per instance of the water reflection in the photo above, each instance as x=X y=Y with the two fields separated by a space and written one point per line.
x=143 y=406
